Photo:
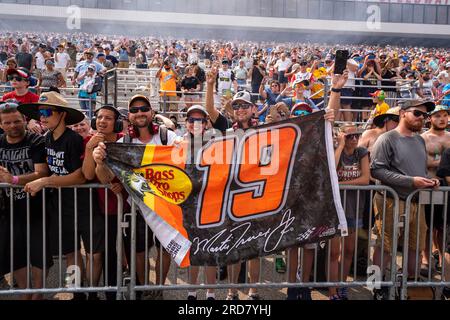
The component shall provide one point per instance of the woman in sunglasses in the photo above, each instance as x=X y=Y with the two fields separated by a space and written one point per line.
x=352 y=164
x=196 y=125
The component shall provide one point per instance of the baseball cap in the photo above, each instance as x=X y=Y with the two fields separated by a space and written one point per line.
x=300 y=80
x=198 y=108
x=379 y=94
x=440 y=108
x=242 y=96
x=92 y=67
x=139 y=97
x=101 y=54
x=225 y=61
x=303 y=106
x=23 y=72
x=418 y=102
x=447 y=65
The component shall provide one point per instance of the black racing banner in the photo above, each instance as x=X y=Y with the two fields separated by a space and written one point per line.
x=222 y=199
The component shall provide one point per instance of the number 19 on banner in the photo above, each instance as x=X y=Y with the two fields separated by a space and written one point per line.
x=246 y=178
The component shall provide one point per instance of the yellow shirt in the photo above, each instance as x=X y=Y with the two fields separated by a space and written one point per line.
x=381 y=108
x=168 y=82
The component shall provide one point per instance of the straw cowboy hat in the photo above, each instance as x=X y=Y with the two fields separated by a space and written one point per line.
x=52 y=99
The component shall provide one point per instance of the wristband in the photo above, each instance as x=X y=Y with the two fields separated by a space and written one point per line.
x=15 y=180
x=336 y=90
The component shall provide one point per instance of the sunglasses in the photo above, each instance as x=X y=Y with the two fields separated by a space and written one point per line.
x=245 y=106
x=46 y=113
x=418 y=113
x=352 y=136
x=17 y=78
x=299 y=113
x=140 y=108
x=193 y=120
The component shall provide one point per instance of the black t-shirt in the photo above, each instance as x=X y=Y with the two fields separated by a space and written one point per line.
x=221 y=123
x=256 y=76
x=189 y=83
x=24 y=59
x=19 y=159
x=112 y=59
x=64 y=156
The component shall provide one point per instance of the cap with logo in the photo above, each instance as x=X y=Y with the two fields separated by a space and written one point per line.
x=242 y=96
x=197 y=108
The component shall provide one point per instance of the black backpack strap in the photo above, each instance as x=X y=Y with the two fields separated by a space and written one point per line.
x=163 y=135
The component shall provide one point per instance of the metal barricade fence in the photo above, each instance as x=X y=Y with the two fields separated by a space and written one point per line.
x=426 y=224
x=366 y=272
x=37 y=233
x=365 y=266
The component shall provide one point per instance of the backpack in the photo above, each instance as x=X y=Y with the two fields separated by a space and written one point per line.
x=163 y=135
x=98 y=85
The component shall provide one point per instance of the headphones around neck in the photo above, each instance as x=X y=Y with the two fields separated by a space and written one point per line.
x=118 y=124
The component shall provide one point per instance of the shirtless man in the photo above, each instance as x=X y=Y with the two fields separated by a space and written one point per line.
x=436 y=141
x=383 y=123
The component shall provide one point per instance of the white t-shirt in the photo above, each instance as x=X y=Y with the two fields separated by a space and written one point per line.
x=63 y=58
x=156 y=139
x=283 y=65
x=40 y=61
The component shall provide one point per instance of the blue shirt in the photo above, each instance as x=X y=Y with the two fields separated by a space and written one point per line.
x=446 y=99
x=271 y=97
x=123 y=55
x=83 y=65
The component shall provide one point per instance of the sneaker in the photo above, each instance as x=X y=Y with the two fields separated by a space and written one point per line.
x=381 y=294
x=343 y=293
x=304 y=294
x=232 y=296
x=292 y=294
x=254 y=296
x=280 y=265
x=191 y=297
x=152 y=295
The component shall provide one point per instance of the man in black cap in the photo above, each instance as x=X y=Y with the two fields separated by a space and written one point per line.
x=225 y=81
x=399 y=160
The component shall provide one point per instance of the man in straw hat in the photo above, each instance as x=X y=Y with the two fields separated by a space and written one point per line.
x=65 y=150
x=383 y=123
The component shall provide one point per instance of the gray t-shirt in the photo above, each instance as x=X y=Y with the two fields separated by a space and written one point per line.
x=396 y=159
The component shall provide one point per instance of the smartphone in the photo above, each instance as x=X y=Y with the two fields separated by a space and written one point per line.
x=340 y=62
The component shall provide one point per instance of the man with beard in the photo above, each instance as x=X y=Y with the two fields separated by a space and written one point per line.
x=399 y=160
x=436 y=141
x=22 y=160
x=142 y=131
